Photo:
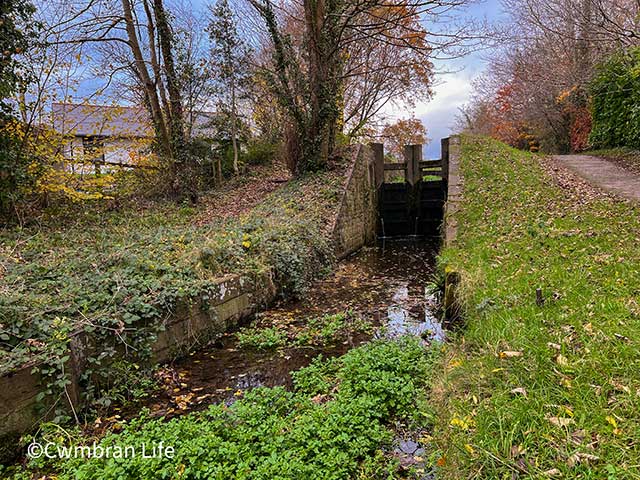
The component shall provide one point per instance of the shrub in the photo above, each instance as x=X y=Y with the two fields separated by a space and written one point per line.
x=615 y=94
x=260 y=152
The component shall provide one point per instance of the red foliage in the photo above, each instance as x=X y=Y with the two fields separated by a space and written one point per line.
x=580 y=129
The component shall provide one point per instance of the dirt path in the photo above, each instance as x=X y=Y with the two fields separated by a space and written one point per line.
x=604 y=174
x=242 y=193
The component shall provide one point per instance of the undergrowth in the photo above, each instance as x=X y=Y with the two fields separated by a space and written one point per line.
x=316 y=331
x=546 y=390
x=115 y=276
x=335 y=424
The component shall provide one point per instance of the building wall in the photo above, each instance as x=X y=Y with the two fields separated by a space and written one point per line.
x=118 y=151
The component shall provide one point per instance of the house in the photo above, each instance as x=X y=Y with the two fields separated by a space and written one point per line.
x=100 y=137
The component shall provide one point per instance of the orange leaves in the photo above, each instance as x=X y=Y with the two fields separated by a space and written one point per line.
x=407 y=131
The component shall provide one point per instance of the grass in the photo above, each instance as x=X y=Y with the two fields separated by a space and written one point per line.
x=335 y=424
x=326 y=330
x=530 y=391
x=627 y=158
x=115 y=275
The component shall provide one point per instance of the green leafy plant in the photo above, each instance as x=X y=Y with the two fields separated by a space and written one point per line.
x=337 y=428
x=615 y=92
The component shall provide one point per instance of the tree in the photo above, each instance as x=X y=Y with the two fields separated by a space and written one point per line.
x=408 y=131
x=16 y=33
x=309 y=75
x=548 y=56
x=230 y=59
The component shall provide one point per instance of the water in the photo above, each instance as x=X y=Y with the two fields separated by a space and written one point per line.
x=386 y=285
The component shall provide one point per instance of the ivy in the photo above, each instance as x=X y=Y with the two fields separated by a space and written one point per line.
x=615 y=94
x=109 y=283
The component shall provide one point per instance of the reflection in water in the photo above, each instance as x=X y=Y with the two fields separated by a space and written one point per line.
x=385 y=285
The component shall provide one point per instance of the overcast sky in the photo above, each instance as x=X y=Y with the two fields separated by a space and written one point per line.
x=452 y=90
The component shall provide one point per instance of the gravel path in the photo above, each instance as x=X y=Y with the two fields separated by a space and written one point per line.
x=604 y=174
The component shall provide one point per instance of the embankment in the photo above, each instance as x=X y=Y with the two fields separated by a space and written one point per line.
x=545 y=384
x=144 y=286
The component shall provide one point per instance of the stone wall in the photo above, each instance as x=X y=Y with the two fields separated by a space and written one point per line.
x=355 y=224
x=189 y=325
x=451 y=161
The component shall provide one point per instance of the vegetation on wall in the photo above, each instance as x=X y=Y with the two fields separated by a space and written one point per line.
x=115 y=276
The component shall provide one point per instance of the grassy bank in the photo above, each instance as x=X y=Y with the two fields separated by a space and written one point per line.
x=116 y=275
x=540 y=391
x=337 y=423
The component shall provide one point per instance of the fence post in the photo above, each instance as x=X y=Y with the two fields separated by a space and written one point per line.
x=444 y=149
x=412 y=157
x=378 y=162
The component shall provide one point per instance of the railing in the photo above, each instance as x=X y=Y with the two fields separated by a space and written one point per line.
x=413 y=166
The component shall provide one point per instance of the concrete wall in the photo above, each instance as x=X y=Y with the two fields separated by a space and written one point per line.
x=355 y=224
x=454 y=188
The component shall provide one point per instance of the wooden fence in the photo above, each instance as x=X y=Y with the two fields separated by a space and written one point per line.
x=413 y=166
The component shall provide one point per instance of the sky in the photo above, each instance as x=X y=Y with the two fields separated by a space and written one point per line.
x=452 y=90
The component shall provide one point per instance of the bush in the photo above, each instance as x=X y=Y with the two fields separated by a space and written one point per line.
x=260 y=152
x=616 y=101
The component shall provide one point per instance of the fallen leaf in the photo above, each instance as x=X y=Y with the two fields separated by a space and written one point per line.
x=510 y=354
x=612 y=421
x=554 y=472
x=560 y=421
x=578 y=458
x=519 y=391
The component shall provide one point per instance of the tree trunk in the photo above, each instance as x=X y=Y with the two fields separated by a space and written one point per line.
x=234 y=127
x=155 y=65
x=151 y=94
x=323 y=64
x=165 y=38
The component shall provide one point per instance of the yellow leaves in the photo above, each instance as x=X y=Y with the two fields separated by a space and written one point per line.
x=454 y=363
x=562 y=361
x=464 y=423
x=614 y=423
x=565 y=94
x=469 y=448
